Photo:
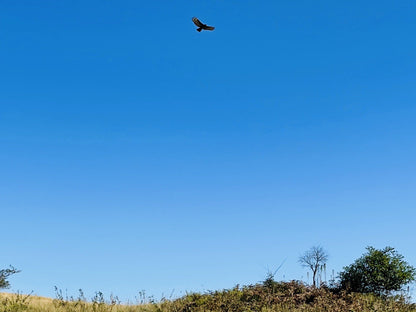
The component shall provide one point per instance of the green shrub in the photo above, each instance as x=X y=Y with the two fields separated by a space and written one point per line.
x=378 y=271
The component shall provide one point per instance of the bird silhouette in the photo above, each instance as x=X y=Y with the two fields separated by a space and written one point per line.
x=201 y=26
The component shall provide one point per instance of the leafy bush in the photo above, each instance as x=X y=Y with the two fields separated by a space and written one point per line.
x=378 y=271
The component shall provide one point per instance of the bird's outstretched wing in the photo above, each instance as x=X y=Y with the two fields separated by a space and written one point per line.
x=197 y=22
x=201 y=25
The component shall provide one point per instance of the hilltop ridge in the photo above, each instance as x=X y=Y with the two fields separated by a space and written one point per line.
x=273 y=296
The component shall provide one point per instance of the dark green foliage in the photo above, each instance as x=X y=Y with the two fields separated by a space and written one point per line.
x=269 y=282
x=4 y=274
x=378 y=271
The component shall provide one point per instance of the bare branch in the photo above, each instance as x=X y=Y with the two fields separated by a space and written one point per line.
x=4 y=274
x=314 y=259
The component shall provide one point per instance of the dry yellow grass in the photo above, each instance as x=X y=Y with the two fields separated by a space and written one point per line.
x=32 y=299
x=10 y=302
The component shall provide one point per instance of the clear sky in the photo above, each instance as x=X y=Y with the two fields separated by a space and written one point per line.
x=138 y=154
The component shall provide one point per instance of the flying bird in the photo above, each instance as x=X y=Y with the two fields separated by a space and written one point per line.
x=200 y=25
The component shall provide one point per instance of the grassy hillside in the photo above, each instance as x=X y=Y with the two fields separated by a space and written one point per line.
x=274 y=297
x=36 y=300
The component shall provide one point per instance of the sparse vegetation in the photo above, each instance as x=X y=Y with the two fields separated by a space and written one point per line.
x=379 y=272
x=274 y=296
x=4 y=275
x=14 y=303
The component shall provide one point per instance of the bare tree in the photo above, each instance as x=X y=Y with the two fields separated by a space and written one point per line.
x=314 y=259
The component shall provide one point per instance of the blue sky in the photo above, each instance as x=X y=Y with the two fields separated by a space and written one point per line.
x=137 y=153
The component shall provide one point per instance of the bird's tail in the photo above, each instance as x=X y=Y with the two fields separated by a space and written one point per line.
x=199 y=29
